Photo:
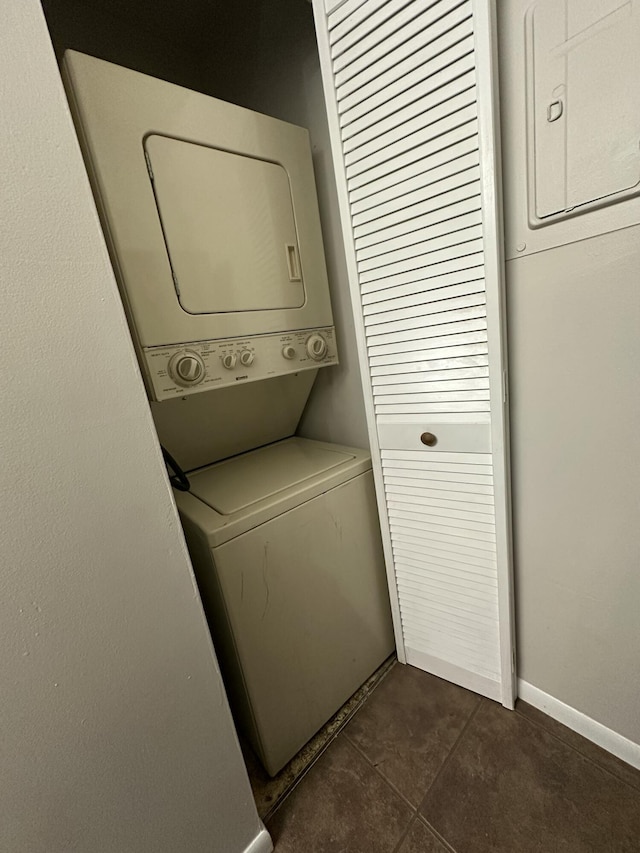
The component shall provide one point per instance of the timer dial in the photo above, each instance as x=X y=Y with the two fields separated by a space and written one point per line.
x=186 y=368
x=317 y=347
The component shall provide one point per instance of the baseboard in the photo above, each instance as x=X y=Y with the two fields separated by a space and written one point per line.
x=262 y=843
x=613 y=742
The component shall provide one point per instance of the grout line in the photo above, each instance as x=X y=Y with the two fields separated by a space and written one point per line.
x=417 y=818
x=440 y=838
x=374 y=767
x=414 y=808
x=402 y=838
x=445 y=763
x=449 y=756
x=594 y=761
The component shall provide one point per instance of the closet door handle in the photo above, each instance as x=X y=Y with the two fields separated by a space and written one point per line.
x=429 y=439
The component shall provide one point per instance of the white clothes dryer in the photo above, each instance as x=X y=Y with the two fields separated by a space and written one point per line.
x=212 y=222
x=286 y=550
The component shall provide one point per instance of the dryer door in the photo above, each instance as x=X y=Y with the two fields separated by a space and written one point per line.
x=229 y=227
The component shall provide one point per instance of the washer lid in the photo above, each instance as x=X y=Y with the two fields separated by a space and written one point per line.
x=233 y=485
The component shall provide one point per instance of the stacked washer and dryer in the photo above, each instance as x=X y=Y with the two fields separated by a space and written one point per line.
x=211 y=219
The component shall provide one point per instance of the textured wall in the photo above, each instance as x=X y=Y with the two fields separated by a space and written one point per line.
x=116 y=734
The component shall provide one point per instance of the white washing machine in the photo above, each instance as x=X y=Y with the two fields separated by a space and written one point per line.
x=211 y=218
x=286 y=549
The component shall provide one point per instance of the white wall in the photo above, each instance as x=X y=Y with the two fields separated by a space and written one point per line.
x=574 y=320
x=116 y=734
x=574 y=345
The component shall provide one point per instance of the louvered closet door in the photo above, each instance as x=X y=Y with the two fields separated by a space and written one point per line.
x=409 y=86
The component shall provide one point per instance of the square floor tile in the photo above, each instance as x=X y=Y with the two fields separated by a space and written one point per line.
x=510 y=786
x=341 y=806
x=408 y=725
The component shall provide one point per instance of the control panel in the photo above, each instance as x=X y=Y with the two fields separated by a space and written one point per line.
x=204 y=365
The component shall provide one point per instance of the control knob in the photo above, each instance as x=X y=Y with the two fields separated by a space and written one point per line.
x=317 y=347
x=288 y=351
x=246 y=357
x=186 y=368
x=229 y=360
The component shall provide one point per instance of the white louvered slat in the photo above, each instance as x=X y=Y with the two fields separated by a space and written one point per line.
x=443 y=223
x=368 y=26
x=455 y=527
x=447 y=101
x=464 y=200
x=465 y=400
x=378 y=221
x=470 y=492
x=412 y=339
x=430 y=107
x=404 y=40
x=461 y=623
x=436 y=503
x=444 y=471
x=412 y=165
x=443 y=546
x=358 y=120
x=432 y=314
x=418 y=202
x=396 y=381
x=397 y=193
x=379 y=284
x=433 y=186
x=465 y=595
x=459 y=600
x=442 y=512
x=438 y=511
x=357 y=18
x=385 y=304
x=461 y=385
x=402 y=53
x=460 y=565
x=466 y=619
x=471 y=577
x=444 y=626
x=443 y=385
x=429 y=278
x=449 y=624
x=441 y=408
x=379 y=170
x=433 y=524
x=471 y=571
x=472 y=367
x=462 y=277
x=444 y=619
x=380 y=99
x=472 y=341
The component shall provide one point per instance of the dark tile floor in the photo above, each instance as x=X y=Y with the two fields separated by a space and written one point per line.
x=427 y=767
